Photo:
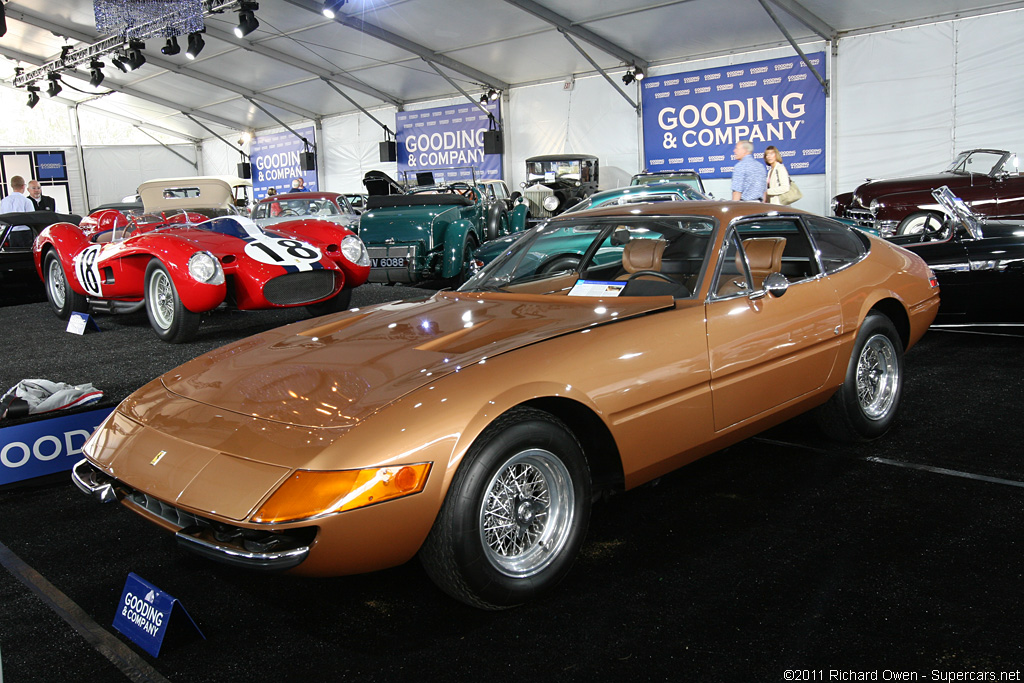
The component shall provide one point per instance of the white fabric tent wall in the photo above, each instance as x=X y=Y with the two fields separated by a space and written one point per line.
x=114 y=172
x=909 y=100
x=903 y=102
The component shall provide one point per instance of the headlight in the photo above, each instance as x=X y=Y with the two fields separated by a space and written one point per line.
x=312 y=494
x=204 y=267
x=551 y=202
x=834 y=207
x=873 y=206
x=353 y=249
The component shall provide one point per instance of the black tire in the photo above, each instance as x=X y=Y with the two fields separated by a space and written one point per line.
x=338 y=302
x=467 y=257
x=866 y=404
x=168 y=317
x=62 y=298
x=560 y=263
x=495 y=219
x=479 y=565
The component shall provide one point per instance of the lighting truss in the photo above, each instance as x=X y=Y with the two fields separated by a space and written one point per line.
x=157 y=27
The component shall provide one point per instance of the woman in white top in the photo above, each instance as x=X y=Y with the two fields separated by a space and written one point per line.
x=778 y=176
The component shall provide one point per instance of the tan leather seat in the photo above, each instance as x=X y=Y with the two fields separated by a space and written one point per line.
x=764 y=254
x=642 y=255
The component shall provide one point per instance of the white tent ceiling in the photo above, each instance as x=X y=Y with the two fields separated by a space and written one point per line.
x=299 y=65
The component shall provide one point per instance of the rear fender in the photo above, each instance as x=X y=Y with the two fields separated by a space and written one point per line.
x=67 y=241
x=455 y=238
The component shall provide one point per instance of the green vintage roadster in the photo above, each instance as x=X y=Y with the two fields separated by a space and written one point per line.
x=431 y=231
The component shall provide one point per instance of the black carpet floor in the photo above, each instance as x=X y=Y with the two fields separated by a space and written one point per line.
x=785 y=552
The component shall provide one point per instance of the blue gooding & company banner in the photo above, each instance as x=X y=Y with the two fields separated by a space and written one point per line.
x=692 y=120
x=275 y=162
x=447 y=138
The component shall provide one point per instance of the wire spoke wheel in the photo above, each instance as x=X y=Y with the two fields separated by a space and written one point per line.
x=56 y=284
x=877 y=377
x=161 y=295
x=526 y=513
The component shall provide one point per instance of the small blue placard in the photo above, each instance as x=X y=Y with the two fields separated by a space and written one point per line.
x=79 y=323
x=144 y=614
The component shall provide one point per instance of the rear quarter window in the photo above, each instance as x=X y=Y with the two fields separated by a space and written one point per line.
x=838 y=245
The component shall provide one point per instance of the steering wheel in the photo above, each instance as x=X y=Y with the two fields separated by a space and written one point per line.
x=288 y=212
x=462 y=188
x=654 y=273
x=933 y=234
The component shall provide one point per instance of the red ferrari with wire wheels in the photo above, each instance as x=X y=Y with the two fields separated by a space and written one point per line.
x=178 y=262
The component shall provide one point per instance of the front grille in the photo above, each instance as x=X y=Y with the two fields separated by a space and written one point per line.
x=299 y=288
x=535 y=195
x=166 y=512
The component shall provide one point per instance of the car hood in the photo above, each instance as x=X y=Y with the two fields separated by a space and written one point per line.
x=874 y=189
x=335 y=371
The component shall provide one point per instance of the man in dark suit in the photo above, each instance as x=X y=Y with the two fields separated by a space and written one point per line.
x=36 y=196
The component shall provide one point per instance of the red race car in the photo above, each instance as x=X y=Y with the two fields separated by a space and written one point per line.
x=190 y=252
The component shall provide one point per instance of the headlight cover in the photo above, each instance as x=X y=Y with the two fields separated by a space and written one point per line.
x=551 y=202
x=352 y=248
x=309 y=494
x=204 y=267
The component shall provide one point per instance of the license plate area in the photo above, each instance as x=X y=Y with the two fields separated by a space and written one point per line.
x=389 y=262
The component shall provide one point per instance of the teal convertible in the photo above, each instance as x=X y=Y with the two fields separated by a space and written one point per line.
x=431 y=231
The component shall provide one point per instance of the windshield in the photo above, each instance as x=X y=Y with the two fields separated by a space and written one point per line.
x=958 y=211
x=295 y=207
x=987 y=163
x=679 y=194
x=614 y=256
x=550 y=171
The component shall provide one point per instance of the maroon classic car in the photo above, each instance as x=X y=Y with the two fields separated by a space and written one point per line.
x=988 y=180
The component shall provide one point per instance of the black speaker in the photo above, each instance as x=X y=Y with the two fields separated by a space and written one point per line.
x=307 y=161
x=388 y=151
x=245 y=170
x=493 y=144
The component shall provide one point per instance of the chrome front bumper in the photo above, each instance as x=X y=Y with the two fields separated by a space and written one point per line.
x=237 y=546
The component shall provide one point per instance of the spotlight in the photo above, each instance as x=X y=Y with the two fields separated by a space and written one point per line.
x=331 y=7
x=484 y=98
x=135 y=56
x=118 y=61
x=64 y=54
x=94 y=70
x=494 y=94
x=172 y=47
x=638 y=73
x=33 y=96
x=53 y=89
x=195 y=45
x=628 y=77
x=247 y=22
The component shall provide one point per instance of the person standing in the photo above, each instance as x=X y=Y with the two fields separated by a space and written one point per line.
x=749 y=178
x=38 y=199
x=778 y=176
x=17 y=202
x=299 y=185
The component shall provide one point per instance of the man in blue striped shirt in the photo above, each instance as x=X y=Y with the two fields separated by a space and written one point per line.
x=749 y=176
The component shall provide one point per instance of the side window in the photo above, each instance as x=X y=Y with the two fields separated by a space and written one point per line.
x=733 y=276
x=797 y=261
x=838 y=245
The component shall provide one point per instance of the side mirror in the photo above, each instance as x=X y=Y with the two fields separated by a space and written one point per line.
x=776 y=284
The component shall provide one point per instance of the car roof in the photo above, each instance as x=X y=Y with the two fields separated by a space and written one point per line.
x=723 y=211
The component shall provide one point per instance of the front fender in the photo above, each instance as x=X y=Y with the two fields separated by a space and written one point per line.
x=195 y=296
x=517 y=218
x=455 y=238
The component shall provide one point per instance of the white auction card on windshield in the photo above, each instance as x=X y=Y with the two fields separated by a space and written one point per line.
x=597 y=288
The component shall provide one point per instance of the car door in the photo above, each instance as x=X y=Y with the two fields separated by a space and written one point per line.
x=951 y=264
x=767 y=351
x=996 y=282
